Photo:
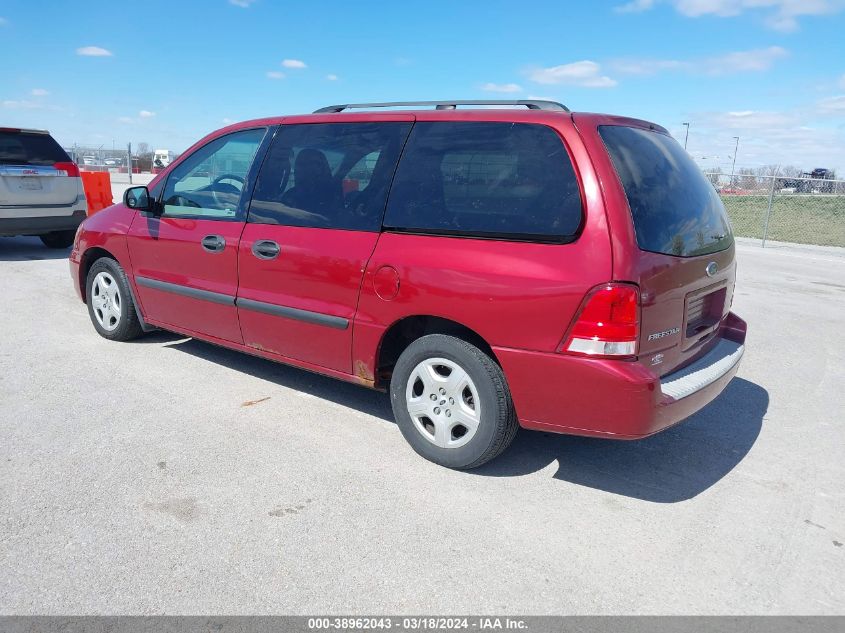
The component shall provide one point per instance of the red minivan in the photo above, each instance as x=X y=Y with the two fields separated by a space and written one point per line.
x=490 y=267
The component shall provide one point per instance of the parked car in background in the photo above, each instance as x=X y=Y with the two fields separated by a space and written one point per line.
x=490 y=268
x=41 y=191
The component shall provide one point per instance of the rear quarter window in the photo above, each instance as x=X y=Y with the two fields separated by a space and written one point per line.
x=495 y=180
x=674 y=208
x=24 y=148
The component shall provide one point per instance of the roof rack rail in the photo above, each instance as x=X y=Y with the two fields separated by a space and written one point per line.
x=531 y=104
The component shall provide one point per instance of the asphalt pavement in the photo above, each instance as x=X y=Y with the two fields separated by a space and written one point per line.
x=171 y=476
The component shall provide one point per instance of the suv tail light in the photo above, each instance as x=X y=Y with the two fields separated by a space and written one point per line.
x=608 y=323
x=70 y=169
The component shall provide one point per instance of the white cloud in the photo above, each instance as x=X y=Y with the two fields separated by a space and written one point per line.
x=15 y=104
x=756 y=60
x=788 y=137
x=635 y=6
x=842 y=81
x=226 y=121
x=146 y=114
x=491 y=87
x=39 y=92
x=757 y=120
x=332 y=77
x=243 y=4
x=293 y=63
x=275 y=74
x=126 y=119
x=93 y=51
x=781 y=15
x=753 y=60
x=645 y=66
x=832 y=105
x=28 y=104
x=584 y=73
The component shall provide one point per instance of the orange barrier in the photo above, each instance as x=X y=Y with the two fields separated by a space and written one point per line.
x=97 y=187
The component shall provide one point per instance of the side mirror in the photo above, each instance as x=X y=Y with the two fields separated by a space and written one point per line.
x=138 y=198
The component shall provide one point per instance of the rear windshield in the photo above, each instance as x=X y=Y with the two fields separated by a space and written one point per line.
x=675 y=209
x=22 y=148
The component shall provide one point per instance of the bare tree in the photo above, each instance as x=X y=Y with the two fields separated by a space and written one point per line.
x=768 y=170
x=790 y=171
x=713 y=176
x=748 y=178
x=144 y=157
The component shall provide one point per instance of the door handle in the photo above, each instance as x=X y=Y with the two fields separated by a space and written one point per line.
x=213 y=243
x=266 y=249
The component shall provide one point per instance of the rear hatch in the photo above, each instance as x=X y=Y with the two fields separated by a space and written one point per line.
x=684 y=262
x=35 y=171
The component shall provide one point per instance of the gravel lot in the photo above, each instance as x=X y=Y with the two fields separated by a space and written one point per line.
x=171 y=476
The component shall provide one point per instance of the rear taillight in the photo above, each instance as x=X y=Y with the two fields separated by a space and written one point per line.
x=70 y=169
x=608 y=324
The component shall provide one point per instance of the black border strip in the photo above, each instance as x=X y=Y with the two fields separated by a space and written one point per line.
x=318 y=318
x=194 y=293
x=338 y=323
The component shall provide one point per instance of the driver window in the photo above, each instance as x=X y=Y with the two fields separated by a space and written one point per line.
x=210 y=181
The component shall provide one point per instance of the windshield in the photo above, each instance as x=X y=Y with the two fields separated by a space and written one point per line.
x=675 y=209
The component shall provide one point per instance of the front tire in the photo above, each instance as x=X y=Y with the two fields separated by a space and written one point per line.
x=110 y=303
x=58 y=239
x=451 y=402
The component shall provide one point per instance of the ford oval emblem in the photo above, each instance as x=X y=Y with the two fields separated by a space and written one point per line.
x=712 y=269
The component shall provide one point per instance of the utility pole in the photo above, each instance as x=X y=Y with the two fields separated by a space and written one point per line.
x=686 y=137
x=733 y=167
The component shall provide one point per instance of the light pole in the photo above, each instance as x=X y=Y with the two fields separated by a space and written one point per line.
x=733 y=166
x=686 y=137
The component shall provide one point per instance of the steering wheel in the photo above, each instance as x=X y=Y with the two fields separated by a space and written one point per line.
x=226 y=189
x=222 y=177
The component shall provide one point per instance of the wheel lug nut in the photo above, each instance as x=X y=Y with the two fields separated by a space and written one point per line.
x=448 y=413
x=451 y=401
x=442 y=390
x=433 y=397
x=436 y=410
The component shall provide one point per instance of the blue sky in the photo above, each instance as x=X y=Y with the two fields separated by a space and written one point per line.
x=96 y=72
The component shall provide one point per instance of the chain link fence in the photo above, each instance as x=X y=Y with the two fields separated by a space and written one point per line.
x=782 y=209
x=117 y=159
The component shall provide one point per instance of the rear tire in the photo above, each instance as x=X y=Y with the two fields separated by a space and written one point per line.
x=110 y=303
x=58 y=239
x=451 y=402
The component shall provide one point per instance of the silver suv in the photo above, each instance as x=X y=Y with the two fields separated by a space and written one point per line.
x=41 y=191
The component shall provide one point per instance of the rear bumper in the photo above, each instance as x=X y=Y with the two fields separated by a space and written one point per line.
x=617 y=399
x=40 y=224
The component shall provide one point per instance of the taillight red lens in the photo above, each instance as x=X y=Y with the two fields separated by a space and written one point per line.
x=70 y=169
x=608 y=324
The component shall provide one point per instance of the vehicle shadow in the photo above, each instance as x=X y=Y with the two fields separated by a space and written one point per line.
x=18 y=249
x=367 y=401
x=669 y=467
